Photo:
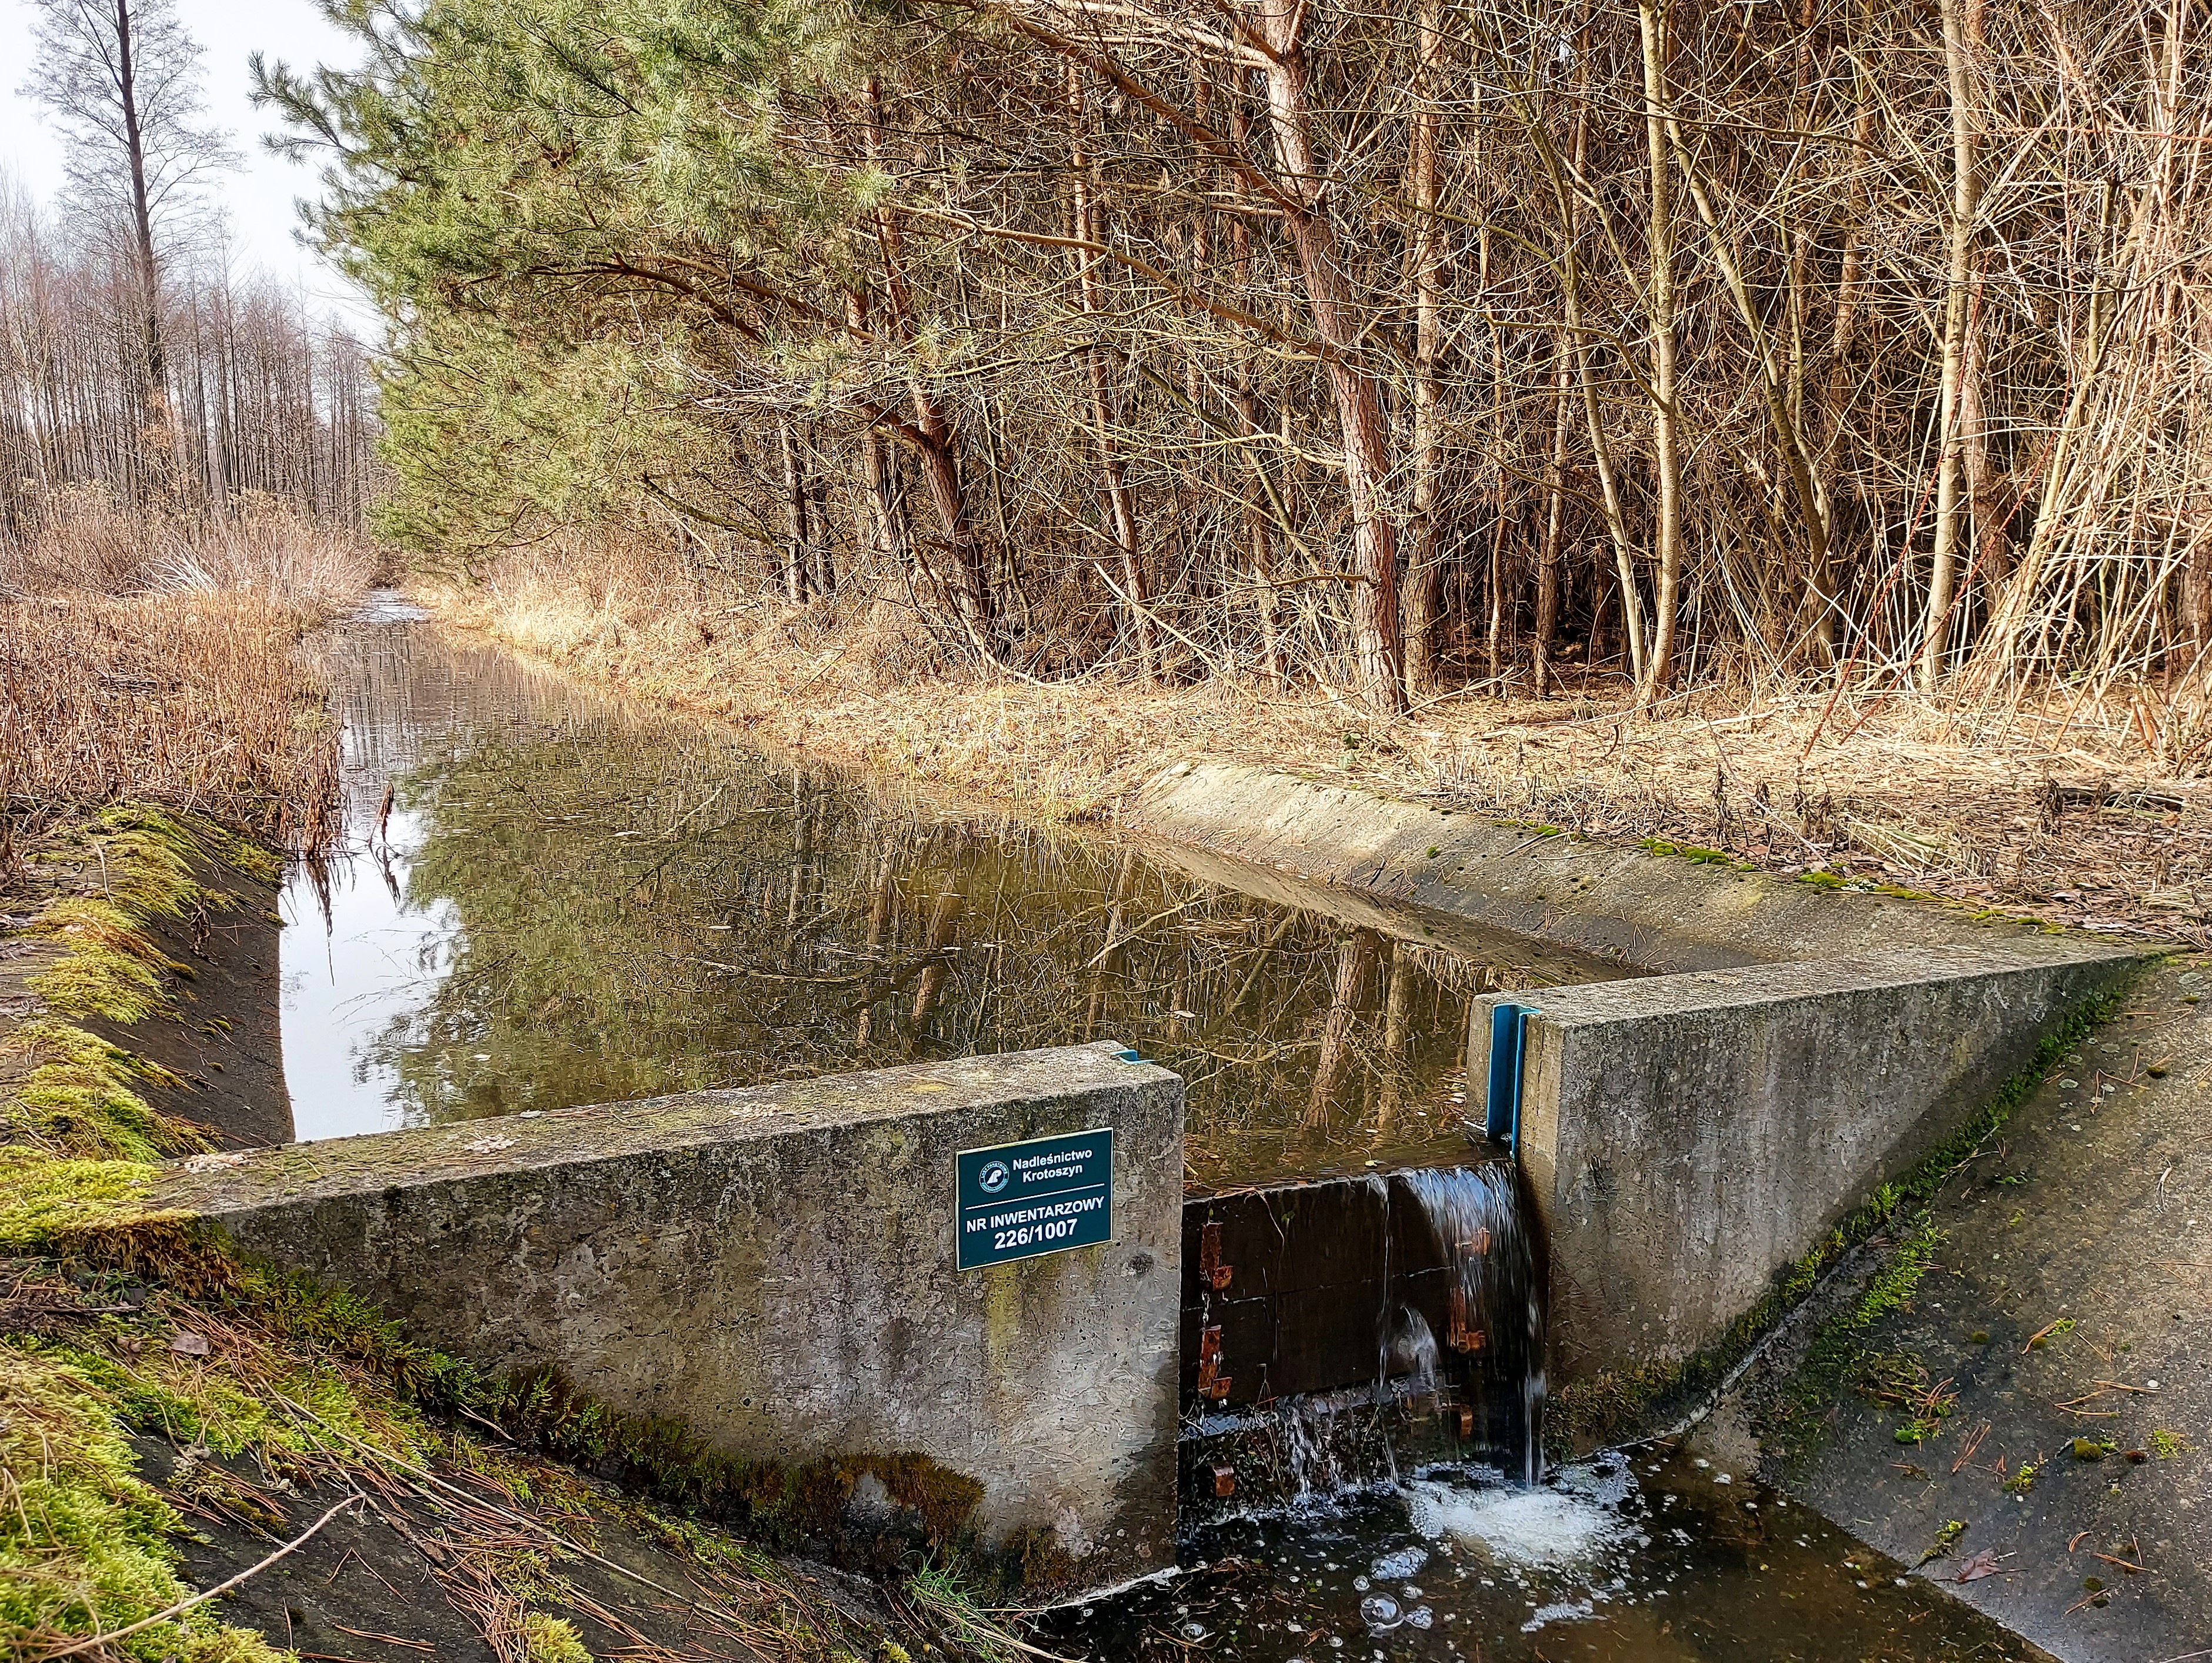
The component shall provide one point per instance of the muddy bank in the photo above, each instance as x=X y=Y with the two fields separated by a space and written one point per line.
x=444 y=1563
x=221 y=1039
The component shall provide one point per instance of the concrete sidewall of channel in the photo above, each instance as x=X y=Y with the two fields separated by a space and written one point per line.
x=776 y=1269
x=1688 y=1135
x=1686 y=1140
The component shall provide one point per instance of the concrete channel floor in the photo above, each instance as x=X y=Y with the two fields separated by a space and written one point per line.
x=2069 y=1306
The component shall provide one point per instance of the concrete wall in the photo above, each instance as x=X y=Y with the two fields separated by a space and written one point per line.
x=1689 y=1133
x=776 y=1267
x=1612 y=900
x=1686 y=1137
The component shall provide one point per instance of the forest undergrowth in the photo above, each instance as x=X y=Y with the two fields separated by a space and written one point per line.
x=2084 y=807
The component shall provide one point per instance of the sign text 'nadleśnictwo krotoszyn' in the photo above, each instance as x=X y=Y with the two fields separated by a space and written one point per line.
x=1042 y=1196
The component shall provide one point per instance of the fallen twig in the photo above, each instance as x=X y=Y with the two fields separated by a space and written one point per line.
x=220 y=1589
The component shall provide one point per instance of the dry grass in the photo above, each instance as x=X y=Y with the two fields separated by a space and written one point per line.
x=146 y=658
x=197 y=701
x=1979 y=800
x=86 y=544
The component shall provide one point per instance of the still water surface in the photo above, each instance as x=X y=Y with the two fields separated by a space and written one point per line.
x=546 y=898
x=563 y=900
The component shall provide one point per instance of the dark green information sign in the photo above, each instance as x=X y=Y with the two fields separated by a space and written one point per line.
x=1042 y=1196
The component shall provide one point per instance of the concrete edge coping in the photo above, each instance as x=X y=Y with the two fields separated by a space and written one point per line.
x=418 y=1155
x=1686 y=997
x=1691 y=993
x=1619 y=901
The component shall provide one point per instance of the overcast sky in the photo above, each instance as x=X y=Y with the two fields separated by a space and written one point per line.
x=258 y=199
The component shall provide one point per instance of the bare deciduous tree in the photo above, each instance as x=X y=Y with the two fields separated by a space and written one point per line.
x=123 y=80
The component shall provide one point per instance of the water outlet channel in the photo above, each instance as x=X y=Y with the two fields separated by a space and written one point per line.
x=546 y=899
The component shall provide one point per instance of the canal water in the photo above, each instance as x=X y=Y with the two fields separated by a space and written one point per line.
x=544 y=899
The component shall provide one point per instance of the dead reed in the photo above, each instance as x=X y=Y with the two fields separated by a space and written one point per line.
x=195 y=699
x=84 y=541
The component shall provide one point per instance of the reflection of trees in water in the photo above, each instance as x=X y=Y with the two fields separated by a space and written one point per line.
x=641 y=913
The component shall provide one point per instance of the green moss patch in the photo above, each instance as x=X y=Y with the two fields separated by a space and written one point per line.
x=1626 y=1403
x=86 y=1548
x=73 y=1093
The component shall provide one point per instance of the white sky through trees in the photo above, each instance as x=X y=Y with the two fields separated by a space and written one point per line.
x=256 y=198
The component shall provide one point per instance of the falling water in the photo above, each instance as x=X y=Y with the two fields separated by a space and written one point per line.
x=1495 y=1319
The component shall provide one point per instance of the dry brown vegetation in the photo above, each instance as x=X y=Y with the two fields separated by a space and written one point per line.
x=196 y=700
x=2066 y=806
x=139 y=659
x=80 y=541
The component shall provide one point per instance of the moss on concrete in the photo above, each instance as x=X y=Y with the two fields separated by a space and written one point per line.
x=1621 y=1405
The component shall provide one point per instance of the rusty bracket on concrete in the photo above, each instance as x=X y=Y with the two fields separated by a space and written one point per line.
x=1458 y=1333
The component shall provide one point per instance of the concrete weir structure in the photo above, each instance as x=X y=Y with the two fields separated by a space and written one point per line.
x=1686 y=1135
x=777 y=1267
x=1688 y=1138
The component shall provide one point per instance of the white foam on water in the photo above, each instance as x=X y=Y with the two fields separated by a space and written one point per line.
x=1566 y=1610
x=1539 y=1527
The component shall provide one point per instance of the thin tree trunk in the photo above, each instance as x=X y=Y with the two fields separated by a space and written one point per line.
x=1424 y=567
x=934 y=434
x=1942 y=565
x=1367 y=462
x=156 y=442
x=1666 y=440
x=1549 y=556
x=795 y=552
x=1247 y=412
x=1113 y=477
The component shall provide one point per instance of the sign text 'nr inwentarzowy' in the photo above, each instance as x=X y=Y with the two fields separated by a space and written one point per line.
x=1042 y=1196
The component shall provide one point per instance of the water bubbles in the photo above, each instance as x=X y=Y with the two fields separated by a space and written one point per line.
x=1420 y=1617
x=1193 y=1630
x=1394 y=1567
x=1360 y=1583
x=1380 y=1612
